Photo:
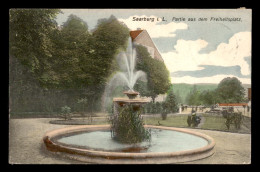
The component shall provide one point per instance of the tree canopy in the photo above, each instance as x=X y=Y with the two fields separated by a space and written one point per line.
x=70 y=60
x=230 y=90
x=158 y=80
x=171 y=102
x=29 y=38
x=193 y=98
x=63 y=58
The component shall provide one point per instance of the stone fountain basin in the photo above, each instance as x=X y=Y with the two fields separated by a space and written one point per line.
x=108 y=157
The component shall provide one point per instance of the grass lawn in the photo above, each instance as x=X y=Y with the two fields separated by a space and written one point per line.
x=211 y=122
x=214 y=123
x=176 y=121
x=218 y=123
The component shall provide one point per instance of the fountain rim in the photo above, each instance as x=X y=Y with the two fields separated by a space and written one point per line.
x=111 y=157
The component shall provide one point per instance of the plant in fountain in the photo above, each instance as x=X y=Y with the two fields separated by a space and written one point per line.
x=126 y=122
x=127 y=126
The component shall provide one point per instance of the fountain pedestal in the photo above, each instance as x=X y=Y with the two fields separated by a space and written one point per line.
x=120 y=102
x=131 y=100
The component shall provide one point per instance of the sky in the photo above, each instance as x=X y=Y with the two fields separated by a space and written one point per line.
x=197 y=45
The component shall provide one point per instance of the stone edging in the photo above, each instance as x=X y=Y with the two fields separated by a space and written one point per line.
x=103 y=157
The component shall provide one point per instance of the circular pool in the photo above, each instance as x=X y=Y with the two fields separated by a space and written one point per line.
x=94 y=144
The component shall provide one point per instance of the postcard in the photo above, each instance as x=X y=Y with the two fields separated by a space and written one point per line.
x=130 y=86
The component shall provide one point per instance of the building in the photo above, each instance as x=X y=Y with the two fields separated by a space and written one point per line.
x=143 y=38
x=249 y=94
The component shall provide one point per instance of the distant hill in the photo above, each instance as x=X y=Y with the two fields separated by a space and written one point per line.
x=183 y=89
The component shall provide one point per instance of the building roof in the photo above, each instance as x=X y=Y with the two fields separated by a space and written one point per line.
x=232 y=104
x=135 y=33
x=142 y=37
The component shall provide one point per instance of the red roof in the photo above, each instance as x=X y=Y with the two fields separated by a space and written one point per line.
x=232 y=104
x=135 y=33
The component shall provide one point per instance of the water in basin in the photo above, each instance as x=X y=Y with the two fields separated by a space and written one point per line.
x=161 y=141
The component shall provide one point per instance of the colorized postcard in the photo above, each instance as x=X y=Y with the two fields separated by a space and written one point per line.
x=130 y=86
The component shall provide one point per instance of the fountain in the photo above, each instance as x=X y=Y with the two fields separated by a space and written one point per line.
x=127 y=140
x=126 y=122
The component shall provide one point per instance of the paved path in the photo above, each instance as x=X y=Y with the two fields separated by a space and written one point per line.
x=25 y=144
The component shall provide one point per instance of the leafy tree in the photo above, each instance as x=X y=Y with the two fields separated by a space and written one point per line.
x=176 y=93
x=109 y=37
x=68 y=62
x=29 y=39
x=158 y=80
x=72 y=53
x=193 y=98
x=105 y=42
x=208 y=97
x=171 y=102
x=230 y=90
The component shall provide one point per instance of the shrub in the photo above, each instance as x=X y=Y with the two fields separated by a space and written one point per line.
x=127 y=126
x=164 y=110
x=158 y=106
x=66 y=112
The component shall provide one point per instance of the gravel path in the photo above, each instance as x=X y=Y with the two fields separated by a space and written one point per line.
x=26 y=146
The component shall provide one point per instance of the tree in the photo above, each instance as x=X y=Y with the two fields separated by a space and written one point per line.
x=193 y=98
x=158 y=80
x=208 y=97
x=68 y=62
x=230 y=90
x=72 y=54
x=171 y=102
x=29 y=39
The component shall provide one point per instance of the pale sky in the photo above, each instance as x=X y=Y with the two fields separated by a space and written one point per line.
x=194 y=51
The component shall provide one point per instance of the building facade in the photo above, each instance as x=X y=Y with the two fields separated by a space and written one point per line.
x=143 y=38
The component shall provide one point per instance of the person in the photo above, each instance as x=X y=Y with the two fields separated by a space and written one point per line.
x=193 y=119
x=197 y=120
x=231 y=109
x=189 y=120
x=192 y=111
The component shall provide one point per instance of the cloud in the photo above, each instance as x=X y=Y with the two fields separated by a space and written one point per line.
x=186 y=56
x=213 y=79
x=210 y=70
x=233 y=52
x=154 y=29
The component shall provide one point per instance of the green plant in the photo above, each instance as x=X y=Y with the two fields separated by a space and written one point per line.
x=66 y=112
x=127 y=125
x=158 y=77
x=164 y=110
x=83 y=102
x=233 y=118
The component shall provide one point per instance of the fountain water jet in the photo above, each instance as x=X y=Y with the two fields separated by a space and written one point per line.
x=127 y=76
x=127 y=63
